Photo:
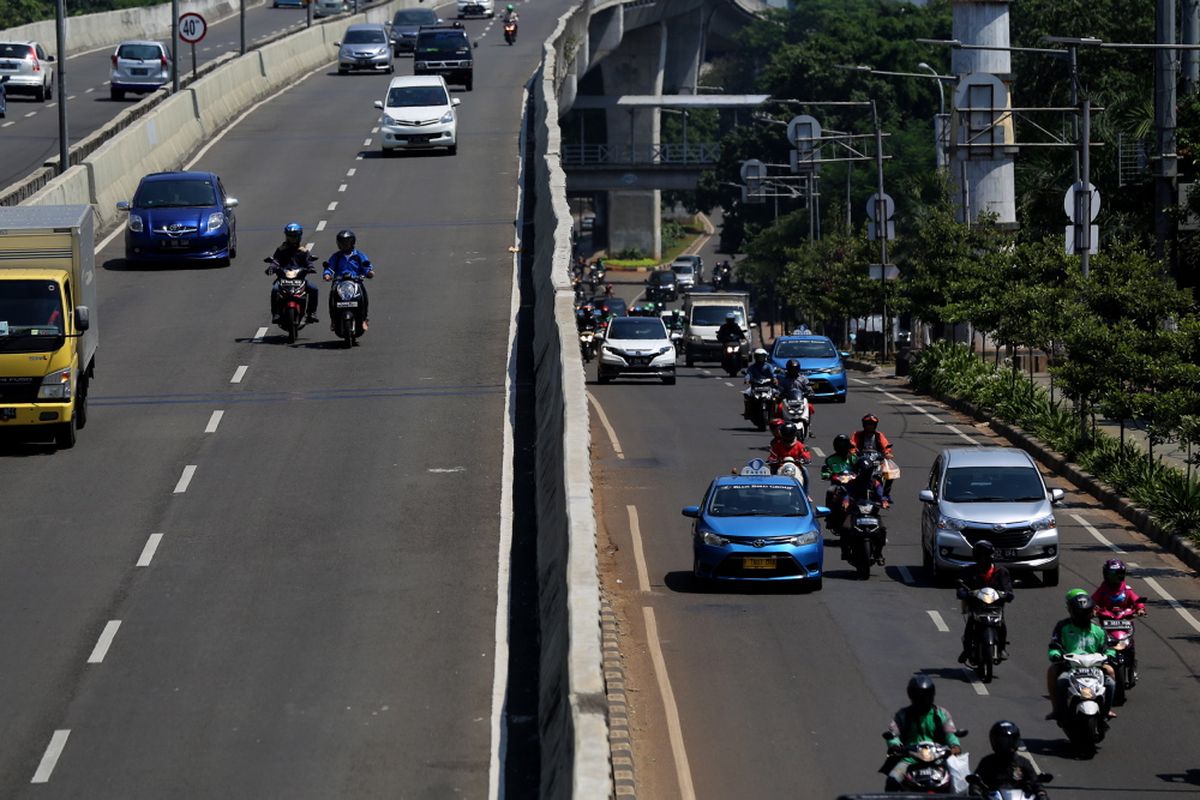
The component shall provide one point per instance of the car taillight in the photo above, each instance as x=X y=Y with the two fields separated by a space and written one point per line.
x=164 y=61
x=114 y=60
x=37 y=67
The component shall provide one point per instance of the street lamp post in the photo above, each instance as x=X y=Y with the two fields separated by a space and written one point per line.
x=60 y=42
x=940 y=128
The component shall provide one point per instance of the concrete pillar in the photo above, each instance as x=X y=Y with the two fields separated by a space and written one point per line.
x=685 y=46
x=635 y=67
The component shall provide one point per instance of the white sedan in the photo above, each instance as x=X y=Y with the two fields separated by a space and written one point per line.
x=476 y=8
x=418 y=112
x=637 y=346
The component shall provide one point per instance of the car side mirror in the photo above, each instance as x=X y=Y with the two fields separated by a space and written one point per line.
x=1056 y=495
x=455 y=101
x=337 y=44
x=379 y=104
x=821 y=511
x=231 y=202
x=926 y=496
x=49 y=58
x=475 y=44
x=691 y=511
x=122 y=205
x=83 y=318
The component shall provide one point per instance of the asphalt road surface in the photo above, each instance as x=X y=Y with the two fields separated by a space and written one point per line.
x=29 y=135
x=270 y=570
x=785 y=695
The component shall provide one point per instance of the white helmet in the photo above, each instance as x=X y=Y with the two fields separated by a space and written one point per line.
x=760 y=354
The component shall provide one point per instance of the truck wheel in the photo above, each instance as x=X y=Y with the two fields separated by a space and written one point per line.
x=688 y=358
x=81 y=404
x=64 y=435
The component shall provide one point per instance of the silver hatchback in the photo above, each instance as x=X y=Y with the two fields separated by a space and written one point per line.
x=29 y=69
x=365 y=46
x=992 y=493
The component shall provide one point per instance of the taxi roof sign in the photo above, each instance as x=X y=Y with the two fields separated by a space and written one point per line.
x=756 y=466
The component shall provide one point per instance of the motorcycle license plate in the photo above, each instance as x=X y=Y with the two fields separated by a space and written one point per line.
x=1006 y=554
x=758 y=563
x=867 y=522
x=347 y=304
x=1116 y=624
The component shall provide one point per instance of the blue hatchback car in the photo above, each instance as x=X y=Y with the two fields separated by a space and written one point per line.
x=757 y=528
x=819 y=360
x=180 y=217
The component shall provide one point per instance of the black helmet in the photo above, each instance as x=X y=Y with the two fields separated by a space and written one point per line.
x=1114 y=571
x=1080 y=606
x=346 y=236
x=921 y=690
x=793 y=367
x=293 y=233
x=983 y=552
x=1005 y=738
x=731 y=317
x=841 y=443
x=788 y=431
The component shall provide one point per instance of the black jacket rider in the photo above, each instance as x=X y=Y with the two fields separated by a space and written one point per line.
x=730 y=332
x=285 y=255
x=1001 y=771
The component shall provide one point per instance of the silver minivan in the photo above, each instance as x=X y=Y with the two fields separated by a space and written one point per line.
x=992 y=493
x=138 y=66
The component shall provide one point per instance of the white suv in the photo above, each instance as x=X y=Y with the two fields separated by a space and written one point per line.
x=28 y=68
x=418 y=112
x=138 y=66
x=637 y=346
x=476 y=8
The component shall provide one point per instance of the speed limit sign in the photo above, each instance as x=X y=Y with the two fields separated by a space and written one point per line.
x=192 y=27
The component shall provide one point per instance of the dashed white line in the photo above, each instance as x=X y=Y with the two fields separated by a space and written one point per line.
x=214 y=421
x=960 y=433
x=89 y=91
x=612 y=434
x=185 y=479
x=366 y=142
x=149 y=550
x=979 y=688
x=350 y=172
x=342 y=187
x=639 y=557
x=374 y=130
x=683 y=771
x=52 y=105
x=321 y=225
x=1175 y=604
x=8 y=124
x=358 y=157
x=58 y=740
x=818 y=452
x=70 y=97
x=238 y=374
x=259 y=334
x=332 y=206
x=905 y=575
x=705 y=372
x=104 y=642
x=1099 y=537
x=30 y=114
x=892 y=396
x=860 y=380
x=938 y=622
x=730 y=385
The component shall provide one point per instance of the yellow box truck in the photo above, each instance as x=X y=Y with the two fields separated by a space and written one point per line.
x=48 y=333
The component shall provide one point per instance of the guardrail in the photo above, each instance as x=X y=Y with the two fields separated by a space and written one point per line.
x=598 y=155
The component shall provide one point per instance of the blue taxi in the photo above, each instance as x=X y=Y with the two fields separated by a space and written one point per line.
x=757 y=527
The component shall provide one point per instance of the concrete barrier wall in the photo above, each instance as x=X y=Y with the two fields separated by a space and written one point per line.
x=572 y=707
x=89 y=31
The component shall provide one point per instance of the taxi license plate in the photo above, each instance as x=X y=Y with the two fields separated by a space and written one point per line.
x=1006 y=554
x=758 y=563
x=8 y=413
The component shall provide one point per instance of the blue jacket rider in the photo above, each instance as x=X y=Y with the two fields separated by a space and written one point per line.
x=348 y=261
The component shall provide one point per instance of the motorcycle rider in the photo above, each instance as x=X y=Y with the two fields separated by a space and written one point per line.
x=1003 y=768
x=348 y=260
x=730 y=331
x=760 y=370
x=291 y=253
x=985 y=572
x=871 y=439
x=510 y=15
x=1078 y=633
x=788 y=445
x=1114 y=594
x=793 y=382
x=585 y=318
x=921 y=721
x=836 y=498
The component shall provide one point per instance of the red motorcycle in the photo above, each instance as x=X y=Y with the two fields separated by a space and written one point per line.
x=510 y=32
x=1118 y=624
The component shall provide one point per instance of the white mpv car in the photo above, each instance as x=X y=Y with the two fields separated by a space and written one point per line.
x=637 y=346
x=419 y=112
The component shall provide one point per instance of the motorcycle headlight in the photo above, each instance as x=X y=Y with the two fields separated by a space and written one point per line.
x=950 y=523
x=447 y=118
x=1086 y=692
x=712 y=540
x=135 y=223
x=1044 y=524
x=56 y=386
x=347 y=290
x=215 y=221
x=805 y=538
x=865 y=509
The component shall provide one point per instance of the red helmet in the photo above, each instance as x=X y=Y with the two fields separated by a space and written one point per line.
x=870 y=419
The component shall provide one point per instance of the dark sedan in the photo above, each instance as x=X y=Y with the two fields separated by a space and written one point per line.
x=180 y=217
x=405 y=25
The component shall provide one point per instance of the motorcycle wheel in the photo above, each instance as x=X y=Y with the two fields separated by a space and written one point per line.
x=1091 y=735
x=731 y=369
x=985 y=655
x=348 y=329
x=291 y=324
x=1131 y=675
x=862 y=559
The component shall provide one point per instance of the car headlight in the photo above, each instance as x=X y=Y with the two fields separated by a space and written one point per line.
x=712 y=540
x=56 y=386
x=664 y=350
x=390 y=120
x=447 y=118
x=837 y=373
x=1044 y=524
x=950 y=523
x=805 y=538
x=215 y=221
x=135 y=223
x=695 y=338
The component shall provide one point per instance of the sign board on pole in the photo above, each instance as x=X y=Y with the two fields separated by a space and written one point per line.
x=888 y=272
x=1074 y=198
x=889 y=231
x=192 y=27
x=889 y=206
x=1074 y=232
x=802 y=129
x=753 y=170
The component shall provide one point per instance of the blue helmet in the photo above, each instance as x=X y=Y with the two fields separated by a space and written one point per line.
x=293 y=233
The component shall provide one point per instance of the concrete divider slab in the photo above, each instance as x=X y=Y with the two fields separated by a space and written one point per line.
x=73 y=187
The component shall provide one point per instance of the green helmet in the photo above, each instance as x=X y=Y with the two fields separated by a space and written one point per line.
x=508 y=7
x=1075 y=593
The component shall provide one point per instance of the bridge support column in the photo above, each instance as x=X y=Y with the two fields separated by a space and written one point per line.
x=685 y=49
x=634 y=216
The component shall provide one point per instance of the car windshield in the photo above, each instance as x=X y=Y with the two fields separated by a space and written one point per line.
x=15 y=51
x=139 y=52
x=411 y=96
x=992 y=485
x=715 y=315
x=805 y=349
x=636 y=328
x=435 y=42
x=662 y=278
x=682 y=269
x=616 y=306
x=758 y=500
x=365 y=37
x=414 y=16
x=28 y=309
x=175 y=194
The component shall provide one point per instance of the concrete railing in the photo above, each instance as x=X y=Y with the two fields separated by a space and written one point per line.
x=89 y=31
x=176 y=127
x=572 y=708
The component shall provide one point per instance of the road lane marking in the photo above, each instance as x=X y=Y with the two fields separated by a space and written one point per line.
x=358 y=157
x=1175 y=604
x=960 y=433
x=70 y=97
x=894 y=397
x=214 y=421
x=238 y=374
x=938 y=622
x=7 y=124
x=30 y=114
x=683 y=772
x=149 y=550
x=818 y=452
x=860 y=380
x=58 y=740
x=52 y=105
x=185 y=479
x=374 y=130
x=342 y=187
x=259 y=334
x=730 y=385
x=705 y=372
x=321 y=225
x=639 y=556
x=905 y=575
x=88 y=91
x=612 y=434
x=366 y=142
x=350 y=172
x=332 y=206
x=1097 y=535
x=104 y=642
x=979 y=688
